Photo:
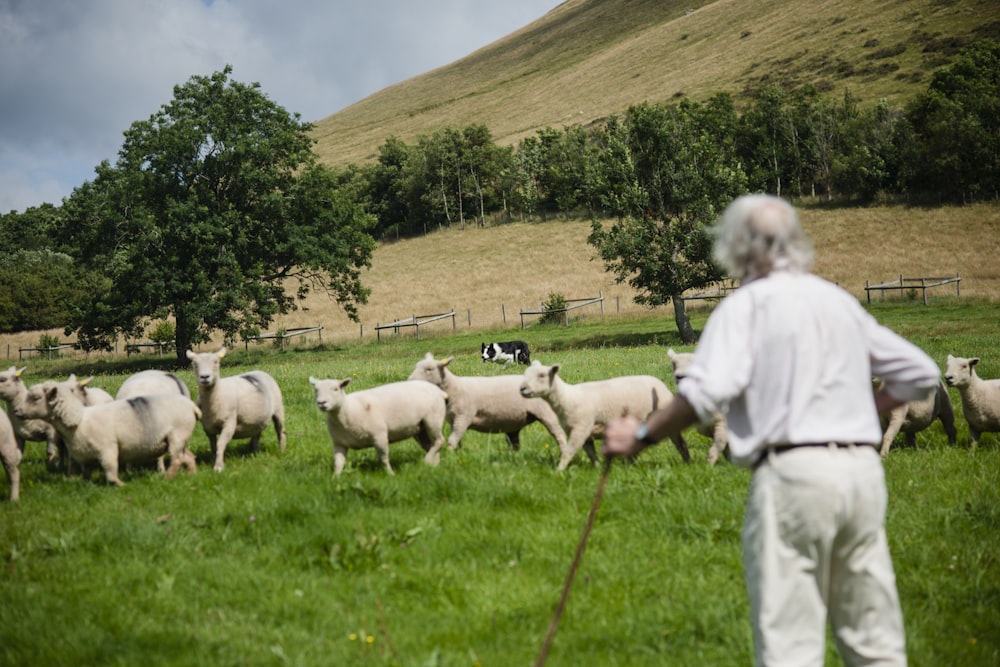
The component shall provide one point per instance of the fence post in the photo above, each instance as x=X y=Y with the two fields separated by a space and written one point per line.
x=503 y=314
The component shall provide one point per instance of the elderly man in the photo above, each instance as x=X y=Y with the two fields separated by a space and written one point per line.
x=788 y=358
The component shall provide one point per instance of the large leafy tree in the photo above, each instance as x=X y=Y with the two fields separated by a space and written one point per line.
x=215 y=203
x=671 y=171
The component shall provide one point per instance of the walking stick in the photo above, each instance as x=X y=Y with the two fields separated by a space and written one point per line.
x=576 y=562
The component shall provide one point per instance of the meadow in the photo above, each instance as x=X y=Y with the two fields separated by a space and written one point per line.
x=275 y=561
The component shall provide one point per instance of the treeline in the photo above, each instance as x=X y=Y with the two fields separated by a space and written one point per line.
x=943 y=147
x=669 y=166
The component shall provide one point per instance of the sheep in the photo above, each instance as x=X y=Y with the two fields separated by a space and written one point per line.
x=239 y=406
x=10 y=456
x=487 y=404
x=132 y=430
x=152 y=382
x=915 y=416
x=13 y=391
x=718 y=430
x=980 y=398
x=585 y=408
x=382 y=415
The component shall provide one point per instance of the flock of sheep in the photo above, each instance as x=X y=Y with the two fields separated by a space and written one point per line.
x=153 y=416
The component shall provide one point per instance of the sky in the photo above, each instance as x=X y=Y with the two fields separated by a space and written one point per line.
x=75 y=74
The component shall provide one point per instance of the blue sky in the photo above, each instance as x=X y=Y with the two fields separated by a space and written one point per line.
x=75 y=74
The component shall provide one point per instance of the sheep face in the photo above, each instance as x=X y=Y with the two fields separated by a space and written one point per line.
x=430 y=370
x=206 y=366
x=10 y=383
x=37 y=403
x=680 y=362
x=959 y=371
x=538 y=380
x=329 y=393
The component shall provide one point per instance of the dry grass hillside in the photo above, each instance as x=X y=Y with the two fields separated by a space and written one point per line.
x=588 y=59
x=484 y=273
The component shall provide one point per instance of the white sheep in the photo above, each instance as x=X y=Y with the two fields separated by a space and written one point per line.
x=134 y=430
x=584 y=408
x=238 y=406
x=718 y=430
x=13 y=391
x=10 y=456
x=490 y=404
x=915 y=416
x=382 y=415
x=152 y=381
x=980 y=398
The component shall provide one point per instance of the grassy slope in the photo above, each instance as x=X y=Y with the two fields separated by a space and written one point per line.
x=588 y=59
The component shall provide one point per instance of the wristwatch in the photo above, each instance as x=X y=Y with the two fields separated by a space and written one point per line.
x=642 y=434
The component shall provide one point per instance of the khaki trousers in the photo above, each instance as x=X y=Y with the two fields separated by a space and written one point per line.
x=815 y=550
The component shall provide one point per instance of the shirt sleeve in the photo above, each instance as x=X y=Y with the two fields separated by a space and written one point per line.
x=908 y=372
x=723 y=361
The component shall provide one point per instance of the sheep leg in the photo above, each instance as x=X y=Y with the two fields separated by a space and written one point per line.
x=458 y=429
x=10 y=464
x=577 y=439
x=514 y=439
x=225 y=435
x=720 y=439
x=949 y=428
x=279 y=428
x=588 y=446
x=339 y=458
x=973 y=437
x=431 y=441
x=554 y=428
x=682 y=448
x=176 y=448
x=896 y=418
x=109 y=462
x=382 y=447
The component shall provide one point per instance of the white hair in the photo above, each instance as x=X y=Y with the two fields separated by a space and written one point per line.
x=757 y=233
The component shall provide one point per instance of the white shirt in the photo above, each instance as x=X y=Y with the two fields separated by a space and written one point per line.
x=789 y=359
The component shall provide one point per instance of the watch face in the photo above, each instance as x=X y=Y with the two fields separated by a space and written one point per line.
x=641 y=432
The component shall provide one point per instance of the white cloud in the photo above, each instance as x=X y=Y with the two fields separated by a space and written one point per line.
x=75 y=75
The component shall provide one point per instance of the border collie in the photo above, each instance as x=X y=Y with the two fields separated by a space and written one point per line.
x=507 y=352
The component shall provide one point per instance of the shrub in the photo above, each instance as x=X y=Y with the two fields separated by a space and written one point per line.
x=555 y=309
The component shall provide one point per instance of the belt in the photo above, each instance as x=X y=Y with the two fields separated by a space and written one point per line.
x=781 y=449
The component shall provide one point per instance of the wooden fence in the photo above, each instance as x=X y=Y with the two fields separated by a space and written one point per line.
x=577 y=303
x=914 y=284
x=415 y=321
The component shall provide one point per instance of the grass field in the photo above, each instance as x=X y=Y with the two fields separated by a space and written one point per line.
x=275 y=561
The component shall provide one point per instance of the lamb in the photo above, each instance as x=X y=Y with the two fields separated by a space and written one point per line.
x=10 y=456
x=133 y=430
x=13 y=391
x=382 y=415
x=915 y=416
x=718 y=430
x=585 y=408
x=152 y=382
x=980 y=398
x=487 y=404
x=239 y=406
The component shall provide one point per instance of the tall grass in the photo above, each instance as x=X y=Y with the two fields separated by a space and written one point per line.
x=275 y=561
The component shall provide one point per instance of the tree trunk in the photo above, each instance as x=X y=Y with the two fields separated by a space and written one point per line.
x=183 y=335
x=682 y=321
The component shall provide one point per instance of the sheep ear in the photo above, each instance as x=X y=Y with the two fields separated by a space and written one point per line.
x=345 y=382
x=429 y=355
x=72 y=378
x=445 y=362
x=671 y=353
x=50 y=393
x=17 y=374
x=190 y=354
x=222 y=352
x=553 y=371
x=973 y=361
x=313 y=380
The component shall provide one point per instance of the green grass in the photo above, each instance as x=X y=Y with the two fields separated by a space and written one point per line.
x=275 y=561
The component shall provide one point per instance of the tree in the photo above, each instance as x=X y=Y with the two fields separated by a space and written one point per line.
x=214 y=203
x=678 y=172
x=954 y=143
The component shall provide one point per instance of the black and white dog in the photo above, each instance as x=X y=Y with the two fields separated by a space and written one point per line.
x=507 y=353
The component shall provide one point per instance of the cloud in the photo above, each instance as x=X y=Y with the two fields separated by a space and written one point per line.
x=75 y=75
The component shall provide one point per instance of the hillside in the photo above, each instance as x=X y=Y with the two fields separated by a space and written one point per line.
x=589 y=59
